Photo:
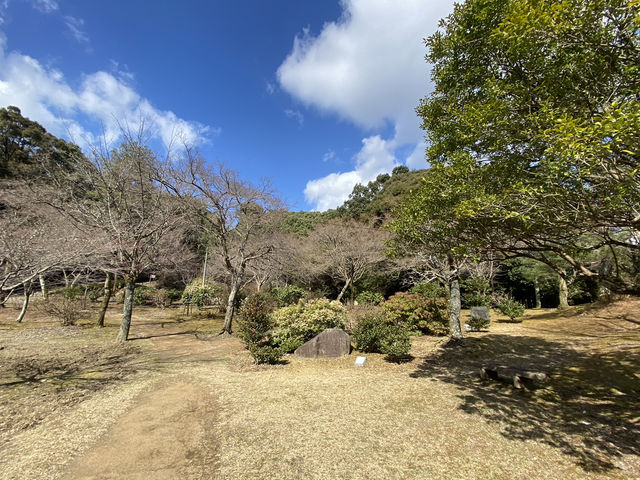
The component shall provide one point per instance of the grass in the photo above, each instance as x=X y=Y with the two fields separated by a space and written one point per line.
x=431 y=417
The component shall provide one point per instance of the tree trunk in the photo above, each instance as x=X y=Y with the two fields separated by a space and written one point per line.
x=563 y=292
x=344 y=289
x=231 y=306
x=129 y=288
x=454 y=306
x=66 y=278
x=25 y=302
x=536 y=290
x=108 y=290
x=43 y=287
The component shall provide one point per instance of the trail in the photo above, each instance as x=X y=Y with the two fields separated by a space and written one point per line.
x=169 y=431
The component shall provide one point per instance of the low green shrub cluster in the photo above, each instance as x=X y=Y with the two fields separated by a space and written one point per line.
x=418 y=313
x=369 y=298
x=429 y=290
x=478 y=323
x=254 y=328
x=288 y=295
x=200 y=296
x=511 y=309
x=375 y=332
x=296 y=324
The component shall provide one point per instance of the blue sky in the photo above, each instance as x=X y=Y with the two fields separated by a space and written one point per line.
x=315 y=95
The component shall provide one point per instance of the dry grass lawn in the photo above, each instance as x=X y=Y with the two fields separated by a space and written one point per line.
x=123 y=412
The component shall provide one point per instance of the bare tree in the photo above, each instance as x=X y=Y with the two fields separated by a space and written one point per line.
x=34 y=239
x=346 y=250
x=235 y=217
x=114 y=195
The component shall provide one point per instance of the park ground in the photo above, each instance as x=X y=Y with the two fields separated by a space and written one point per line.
x=178 y=401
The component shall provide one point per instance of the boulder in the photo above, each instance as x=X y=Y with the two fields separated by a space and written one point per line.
x=331 y=343
x=480 y=313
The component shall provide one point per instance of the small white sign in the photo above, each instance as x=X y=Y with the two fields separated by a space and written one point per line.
x=360 y=361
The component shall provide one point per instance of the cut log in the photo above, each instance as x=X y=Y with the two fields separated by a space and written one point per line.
x=517 y=376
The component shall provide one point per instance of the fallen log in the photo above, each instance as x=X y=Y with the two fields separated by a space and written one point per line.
x=517 y=376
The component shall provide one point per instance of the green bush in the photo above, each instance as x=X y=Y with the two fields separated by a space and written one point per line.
x=375 y=332
x=254 y=324
x=298 y=323
x=477 y=323
x=429 y=290
x=511 y=309
x=369 y=298
x=173 y=294
x=266 y=354
x=254 y=328
x=418 y=313
x=476 y=300
x=200 y=295
x=144 y=295
x=288 y=295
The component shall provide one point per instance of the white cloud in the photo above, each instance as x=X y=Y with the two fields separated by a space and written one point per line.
x=295 y=114
x=329 y=155
x=417 y=160
x=102 y=103
x=45 y=6
x=76 y=27
x=368 y=67
x=331 y=191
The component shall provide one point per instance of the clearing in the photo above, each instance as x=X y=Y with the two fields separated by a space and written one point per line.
x=179 y=402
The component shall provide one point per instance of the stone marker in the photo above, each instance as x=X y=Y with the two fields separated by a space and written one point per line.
x=480 y=313
x=360 y=361
x=331 y=343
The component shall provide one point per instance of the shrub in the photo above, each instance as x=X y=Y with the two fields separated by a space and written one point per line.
x=67 y=310
x=375 y=332
x=476 y=300
x=511 y=309
x=429 y=290
x=418 y=313
x=288 y=295
x=254 y=328
x=298 y=323
x=266 y=354
x=173 y=295
x=254 y=323
x=369 y=298
x=200 y=295
x=144 y=295
x=479 y=323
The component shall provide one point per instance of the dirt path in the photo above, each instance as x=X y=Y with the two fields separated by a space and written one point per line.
x=169 y=431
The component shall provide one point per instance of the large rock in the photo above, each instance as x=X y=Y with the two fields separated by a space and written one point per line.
x=481 y=314
x=331 y=343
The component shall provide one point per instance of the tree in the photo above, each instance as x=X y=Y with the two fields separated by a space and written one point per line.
x=22 y=141
x=234 y=216
x=34 y=240
x=114 y=196
x=346 y=251
x=432 y=228
x=543 y=95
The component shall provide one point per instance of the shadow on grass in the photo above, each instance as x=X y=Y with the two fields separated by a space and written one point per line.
x=590 y=408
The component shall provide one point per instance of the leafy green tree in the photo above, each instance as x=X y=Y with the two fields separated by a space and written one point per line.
x=542 y=96
x=24 y=143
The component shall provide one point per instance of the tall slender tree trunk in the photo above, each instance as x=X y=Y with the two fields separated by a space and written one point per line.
x=25 y=302
x=231 y=306
x=455 y=332
x=536 y=291
x=129 y=288
x=344 y=289
x=563 y=292
x=43 y=286
x=108 y=290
